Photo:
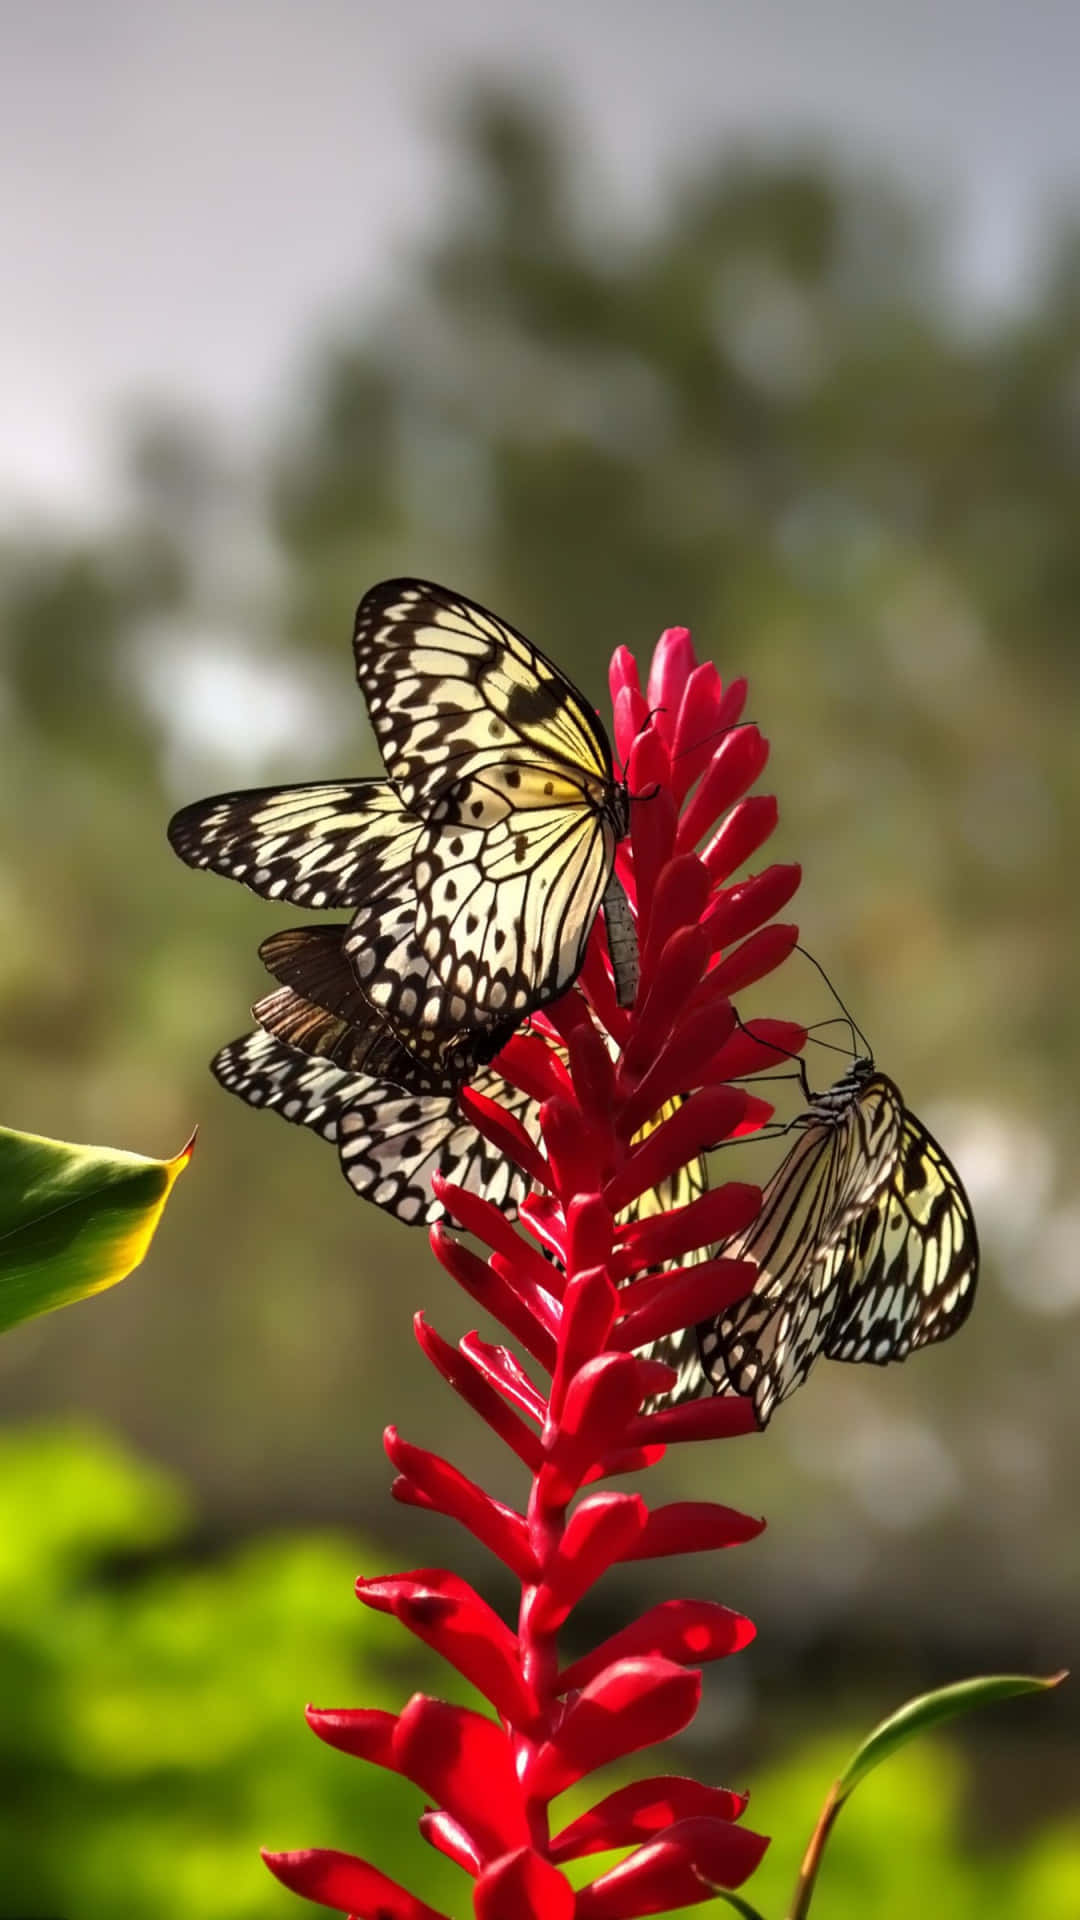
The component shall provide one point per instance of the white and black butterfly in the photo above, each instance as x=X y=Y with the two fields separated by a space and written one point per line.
x=865 y=1247
x=495 y=836
x=389 y=1143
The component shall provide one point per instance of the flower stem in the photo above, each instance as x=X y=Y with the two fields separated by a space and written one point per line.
x=808 y=1872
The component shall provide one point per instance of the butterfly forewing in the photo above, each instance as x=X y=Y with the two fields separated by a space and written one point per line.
x=331 y=844
x=453 y=689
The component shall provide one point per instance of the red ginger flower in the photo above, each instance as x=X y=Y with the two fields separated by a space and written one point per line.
x=583 y=1312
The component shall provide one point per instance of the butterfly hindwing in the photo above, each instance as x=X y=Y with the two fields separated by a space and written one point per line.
x=391 y=1146
x=910 y=1267
x=389 y=1143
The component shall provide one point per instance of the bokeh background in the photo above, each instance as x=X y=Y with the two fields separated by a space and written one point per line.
x=762 y=320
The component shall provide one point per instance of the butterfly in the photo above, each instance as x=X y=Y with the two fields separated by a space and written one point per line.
x=389 y=1143
x=494 y=837
x=865 y=1247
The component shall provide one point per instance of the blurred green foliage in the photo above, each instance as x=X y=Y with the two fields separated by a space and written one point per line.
x=763 y=412
x=153 y=1738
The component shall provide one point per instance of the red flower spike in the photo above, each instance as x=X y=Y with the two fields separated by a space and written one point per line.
x=724 y=1417
x=689 y=1632
x=672 y=664
x=682 y=895
x=596 y=983
x=694 y=1526
x=740 y=834
x=697 y=1039
x=601 y=1400
x=591 y=1304
x=686 y=1865
x=700 y=1294
x=740 y=910
x=761 y=1046
x=365 y=1732
x=624 y=1460
x=591 y=1070
x=446 y=1613
x=631 y=1705
x=465 y=1761
x=523 y=1886
x=711 y=1116
x=585 y=1294
x=441 y=1487
x=467 y=1381
x=602 y=1530
x=714 y=1216
x=530 y=1064
x=652 y=818
x=447 y=1838
x=642 y=1810
x=505 y=1372
x=761 y=954
x=348 y=1885
x=736 y=764
x=700 y=727
x=573 y=1149
x=589 y=1230
x=678 y=970
x=505 y=1133
x=505 y=1290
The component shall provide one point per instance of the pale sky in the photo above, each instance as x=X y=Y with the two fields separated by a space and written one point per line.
x=189 y=192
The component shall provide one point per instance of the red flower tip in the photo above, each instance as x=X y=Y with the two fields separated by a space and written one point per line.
x=523 y=1886
x=347 y=1884
x=693 y=1859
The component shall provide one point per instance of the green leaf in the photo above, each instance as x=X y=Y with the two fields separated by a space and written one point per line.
x=928 y=1710
x=73 y=1220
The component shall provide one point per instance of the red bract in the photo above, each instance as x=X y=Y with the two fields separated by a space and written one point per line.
x=582 y=1287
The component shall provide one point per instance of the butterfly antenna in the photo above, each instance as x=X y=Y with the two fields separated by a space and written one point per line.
x=856 y=1031
x=735 y=726
x=785 y=1054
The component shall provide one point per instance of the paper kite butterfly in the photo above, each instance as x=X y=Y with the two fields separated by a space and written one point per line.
x=865 y=1248
x=481 y=862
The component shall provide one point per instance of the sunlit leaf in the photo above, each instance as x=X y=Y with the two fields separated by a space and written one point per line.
x=929 y=1710
x=73 y=1220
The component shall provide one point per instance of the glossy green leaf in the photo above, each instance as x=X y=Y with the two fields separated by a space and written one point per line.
x=929 y=1710
x=73 y=1220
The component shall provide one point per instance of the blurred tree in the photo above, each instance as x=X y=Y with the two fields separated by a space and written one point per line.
x=762 y=413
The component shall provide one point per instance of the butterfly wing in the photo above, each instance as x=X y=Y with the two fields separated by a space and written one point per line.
x=322 y=1008
x=453 y=690
x=844 y=1157
x=390 y=1146
x=389 y=1143
x=308 y=1091
x=909 y=1267
x=508 y=884
x=512 y=773
x=330 y=844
